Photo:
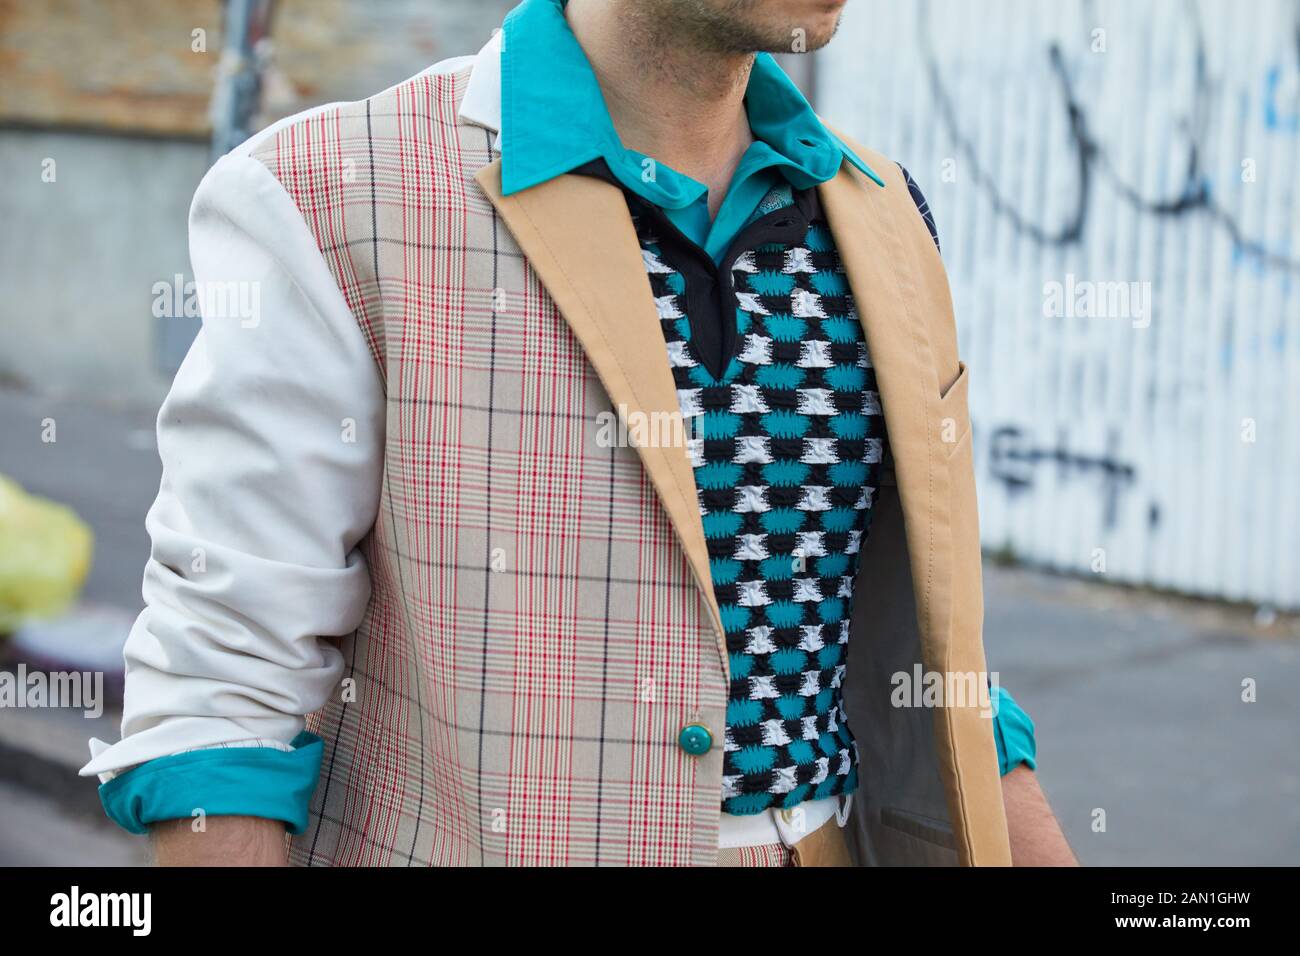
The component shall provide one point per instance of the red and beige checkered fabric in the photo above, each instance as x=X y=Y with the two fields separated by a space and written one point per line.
x=535 y=640
x=766 y=854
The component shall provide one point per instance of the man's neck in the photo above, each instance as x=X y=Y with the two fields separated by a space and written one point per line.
x=668 y=98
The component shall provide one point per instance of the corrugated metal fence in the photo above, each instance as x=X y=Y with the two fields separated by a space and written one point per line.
x=1117 y=189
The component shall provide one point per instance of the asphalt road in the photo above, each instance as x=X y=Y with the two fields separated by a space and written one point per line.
x=1146 y=748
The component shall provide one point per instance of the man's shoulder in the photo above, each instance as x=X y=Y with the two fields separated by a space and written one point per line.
x=892 y=170
x=337 y=131
x=873 y=158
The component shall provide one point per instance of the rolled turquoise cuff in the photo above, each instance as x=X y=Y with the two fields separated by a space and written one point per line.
x=1013 y=732
x=231 y=781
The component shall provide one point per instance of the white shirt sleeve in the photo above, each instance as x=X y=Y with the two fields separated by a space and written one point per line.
x=272 y=447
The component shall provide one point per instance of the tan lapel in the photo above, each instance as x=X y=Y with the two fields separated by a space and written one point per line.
x=861 y=217
x=906 y=313
x=578 y=236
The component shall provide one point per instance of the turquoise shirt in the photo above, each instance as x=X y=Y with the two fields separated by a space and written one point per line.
x=553 y=120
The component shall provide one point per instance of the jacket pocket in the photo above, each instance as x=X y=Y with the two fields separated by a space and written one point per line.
x=926 y=829
x=954 y=412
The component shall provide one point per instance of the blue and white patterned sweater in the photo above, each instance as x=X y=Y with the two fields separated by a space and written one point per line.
x=786 y=446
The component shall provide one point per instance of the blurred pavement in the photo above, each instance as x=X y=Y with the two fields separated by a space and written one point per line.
x=1136 y=697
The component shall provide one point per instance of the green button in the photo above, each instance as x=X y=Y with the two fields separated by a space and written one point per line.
x=695 y=739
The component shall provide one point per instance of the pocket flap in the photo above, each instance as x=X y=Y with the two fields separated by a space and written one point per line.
x=954 y=410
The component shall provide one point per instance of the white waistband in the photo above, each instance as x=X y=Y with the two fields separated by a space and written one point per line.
x=781 y=826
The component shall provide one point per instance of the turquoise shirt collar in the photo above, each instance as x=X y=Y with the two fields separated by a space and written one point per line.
x=554 y=119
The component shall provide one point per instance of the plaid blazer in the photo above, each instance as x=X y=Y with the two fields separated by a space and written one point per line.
x=542 y=622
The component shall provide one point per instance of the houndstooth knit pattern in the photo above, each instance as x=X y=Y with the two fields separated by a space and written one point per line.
x=786 y=449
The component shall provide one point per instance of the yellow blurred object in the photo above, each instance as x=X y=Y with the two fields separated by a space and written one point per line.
x=45 y=552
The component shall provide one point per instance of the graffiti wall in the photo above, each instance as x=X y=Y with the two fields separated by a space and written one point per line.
x=1117 y=191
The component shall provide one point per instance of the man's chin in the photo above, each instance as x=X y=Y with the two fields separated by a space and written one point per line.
x=811 y=33
x=803 y=40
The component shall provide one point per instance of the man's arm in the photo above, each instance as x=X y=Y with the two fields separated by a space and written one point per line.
x=226 y=841
x=1036 y=837
x=271 y=440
